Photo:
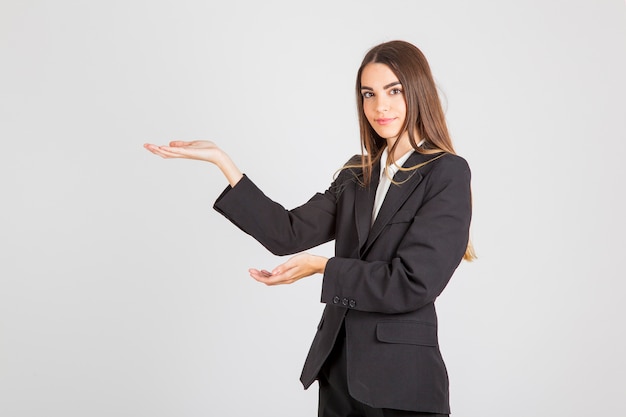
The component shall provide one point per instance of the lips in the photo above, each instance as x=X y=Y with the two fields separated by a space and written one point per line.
x=385 y=121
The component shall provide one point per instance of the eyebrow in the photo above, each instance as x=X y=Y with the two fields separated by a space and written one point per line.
x=384 y=87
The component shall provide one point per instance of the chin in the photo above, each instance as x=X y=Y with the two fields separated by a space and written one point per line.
x=387 y=135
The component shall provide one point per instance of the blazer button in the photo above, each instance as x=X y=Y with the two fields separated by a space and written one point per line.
x=352 y=303
x=336 y=300
x=344 y=301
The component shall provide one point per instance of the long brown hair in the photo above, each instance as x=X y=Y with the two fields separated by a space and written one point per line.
x=424 y=114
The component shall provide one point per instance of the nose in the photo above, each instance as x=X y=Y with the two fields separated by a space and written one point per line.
x=382 y=104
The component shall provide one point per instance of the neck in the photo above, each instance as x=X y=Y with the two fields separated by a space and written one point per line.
x=403 y=146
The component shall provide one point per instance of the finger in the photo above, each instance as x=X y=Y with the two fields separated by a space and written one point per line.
x=261 y=276
x=286 y=277
x=179 y=143
x=287 y=268
x=174 y=151
x=263 y=279
x=155 y=150
x=262 y=273
x=257 y=276
x=281 y=269
x=151 y=147
x=165 y=152
x=292 y=262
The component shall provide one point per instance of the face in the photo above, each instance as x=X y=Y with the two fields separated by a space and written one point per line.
x=383 y=101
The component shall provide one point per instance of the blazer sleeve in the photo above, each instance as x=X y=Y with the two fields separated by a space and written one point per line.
x=426 y=256
x=281 y=231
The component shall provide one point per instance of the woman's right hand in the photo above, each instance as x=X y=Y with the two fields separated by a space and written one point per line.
x=201 y=150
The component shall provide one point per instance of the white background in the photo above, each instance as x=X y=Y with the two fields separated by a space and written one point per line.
x=123 y=293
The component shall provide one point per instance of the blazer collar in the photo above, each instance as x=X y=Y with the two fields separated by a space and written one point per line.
x=396 y=196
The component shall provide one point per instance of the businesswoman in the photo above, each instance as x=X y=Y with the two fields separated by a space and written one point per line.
x=399 y=214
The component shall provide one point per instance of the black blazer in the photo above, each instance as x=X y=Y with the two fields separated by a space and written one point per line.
x=382 y=281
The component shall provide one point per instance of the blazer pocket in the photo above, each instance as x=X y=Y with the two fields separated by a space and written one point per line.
x=407 y=332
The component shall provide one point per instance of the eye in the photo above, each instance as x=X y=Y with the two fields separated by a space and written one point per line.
x=395 y=91
x=367 y=94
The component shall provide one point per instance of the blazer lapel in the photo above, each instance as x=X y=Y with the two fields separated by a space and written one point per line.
x=396 y=196
x=364 y=203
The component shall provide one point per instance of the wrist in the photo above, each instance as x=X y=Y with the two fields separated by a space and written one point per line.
x=228 y=168
x=221 y=159
x=319 y=263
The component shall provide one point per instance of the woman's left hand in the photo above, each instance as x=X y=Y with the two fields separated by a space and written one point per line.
x=297 y=267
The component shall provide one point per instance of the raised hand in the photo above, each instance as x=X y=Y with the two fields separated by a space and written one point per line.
x=201 y=150
x=297 y=267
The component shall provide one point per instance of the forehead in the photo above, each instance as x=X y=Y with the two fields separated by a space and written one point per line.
x=377 y=75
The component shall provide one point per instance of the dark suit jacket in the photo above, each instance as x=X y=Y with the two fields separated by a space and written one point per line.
x=383 y=280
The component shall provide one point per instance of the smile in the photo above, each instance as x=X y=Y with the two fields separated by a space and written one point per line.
x=385 y=121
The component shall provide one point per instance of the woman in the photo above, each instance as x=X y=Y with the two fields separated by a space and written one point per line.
x=399 y=214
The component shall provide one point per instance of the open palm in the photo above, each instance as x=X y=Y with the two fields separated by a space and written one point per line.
x=202 y=150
